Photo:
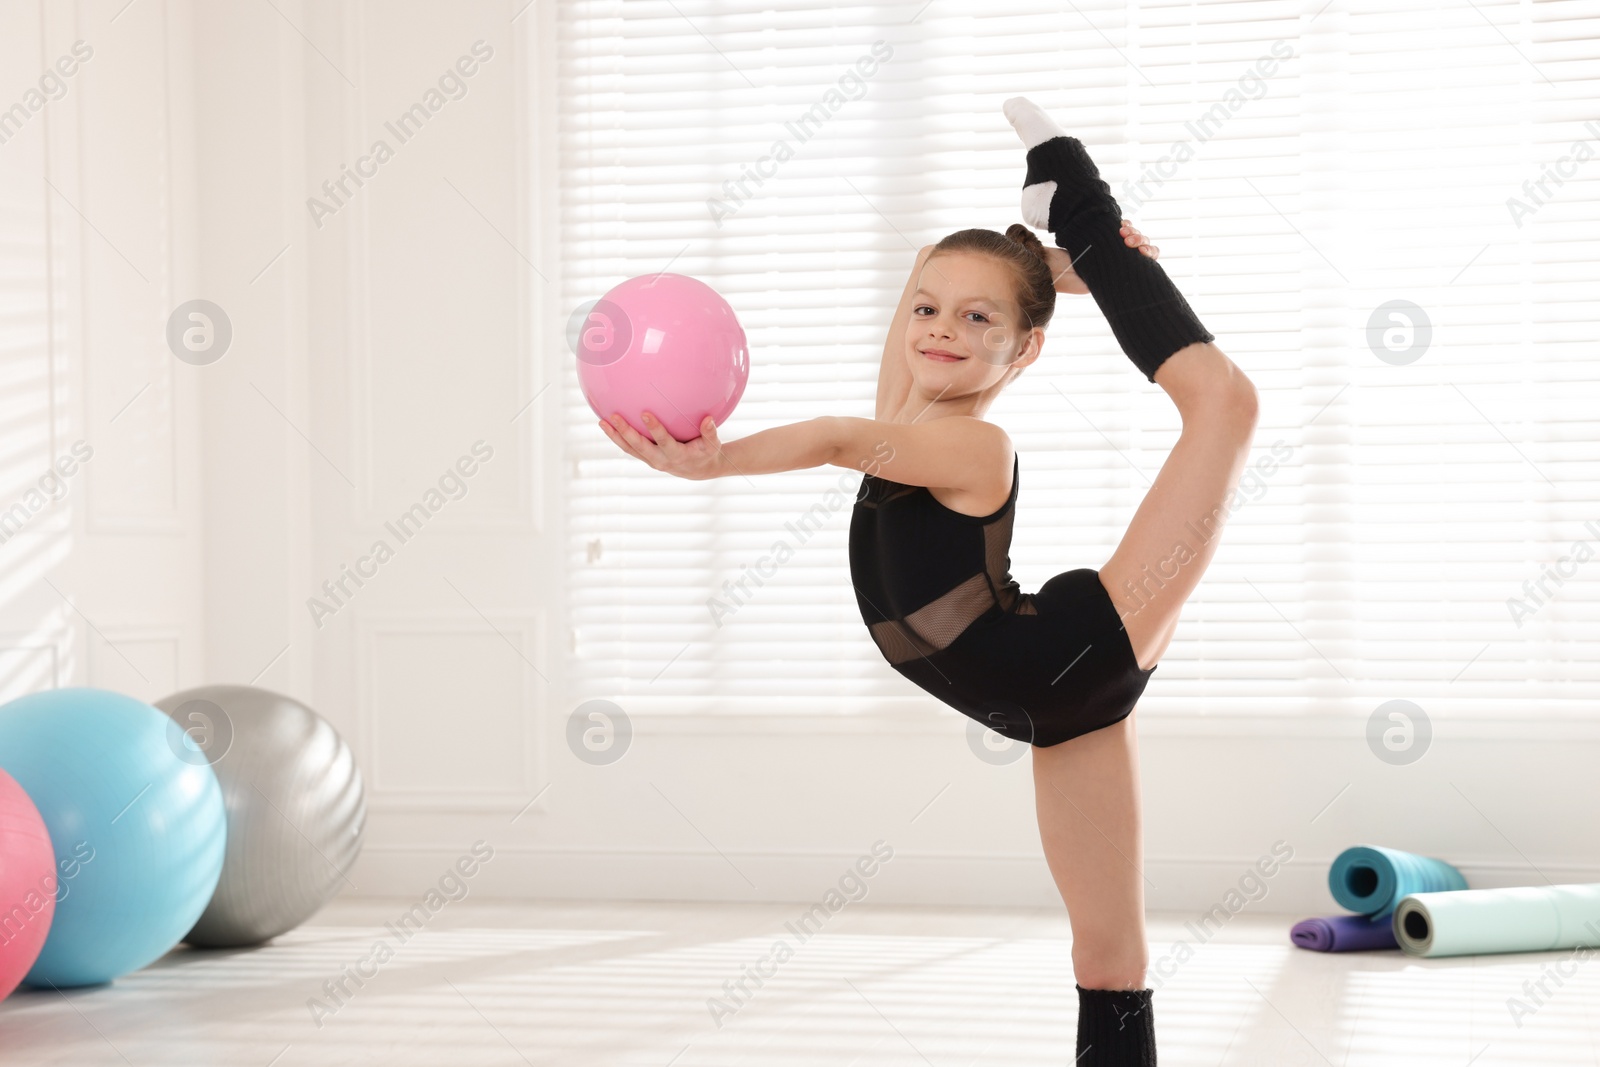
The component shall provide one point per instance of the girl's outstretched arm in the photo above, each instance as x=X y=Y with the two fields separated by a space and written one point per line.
x=957 y=452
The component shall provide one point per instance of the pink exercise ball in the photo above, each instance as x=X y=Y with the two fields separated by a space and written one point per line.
x=667 y=344
x=27 y=883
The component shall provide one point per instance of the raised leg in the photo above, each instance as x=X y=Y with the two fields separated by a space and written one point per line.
x=1086 y=791
x=1174 y=533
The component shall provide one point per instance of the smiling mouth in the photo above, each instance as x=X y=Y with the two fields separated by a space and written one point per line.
x=942 y=356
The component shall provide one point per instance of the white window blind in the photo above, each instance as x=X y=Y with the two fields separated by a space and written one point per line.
x=1301 y=165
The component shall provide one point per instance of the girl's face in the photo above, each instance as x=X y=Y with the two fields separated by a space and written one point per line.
x=964 y=335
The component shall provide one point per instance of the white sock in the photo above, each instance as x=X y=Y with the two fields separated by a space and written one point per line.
x=1030 y=122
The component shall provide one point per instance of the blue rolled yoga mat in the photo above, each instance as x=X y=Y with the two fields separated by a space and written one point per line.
x=1371 y=880
x=1523 y=918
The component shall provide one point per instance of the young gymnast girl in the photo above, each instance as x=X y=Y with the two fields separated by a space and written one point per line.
x=1061 y=668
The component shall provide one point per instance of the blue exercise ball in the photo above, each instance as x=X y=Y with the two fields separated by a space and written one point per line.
x=136 y=816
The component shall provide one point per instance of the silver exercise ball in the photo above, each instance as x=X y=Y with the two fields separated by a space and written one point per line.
x=295 y=807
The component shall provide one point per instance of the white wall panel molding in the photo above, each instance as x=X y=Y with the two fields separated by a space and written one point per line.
x=449 y=707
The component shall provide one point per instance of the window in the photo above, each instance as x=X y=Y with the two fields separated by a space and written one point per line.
x=1387 y=215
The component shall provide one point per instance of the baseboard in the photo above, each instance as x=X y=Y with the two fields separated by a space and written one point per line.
x=910 y=718
x=1172 y=884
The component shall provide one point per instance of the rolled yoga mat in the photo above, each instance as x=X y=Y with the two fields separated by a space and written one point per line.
x=1343 y=933
x=1371 y=880
x=1524 y=918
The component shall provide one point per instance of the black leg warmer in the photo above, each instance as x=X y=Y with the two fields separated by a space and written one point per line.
x=1150 y=318
x=1115 y=1028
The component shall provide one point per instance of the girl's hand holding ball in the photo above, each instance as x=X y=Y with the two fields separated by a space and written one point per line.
x=698 y=460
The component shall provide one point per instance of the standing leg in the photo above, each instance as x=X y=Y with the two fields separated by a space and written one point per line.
x=1087 y=794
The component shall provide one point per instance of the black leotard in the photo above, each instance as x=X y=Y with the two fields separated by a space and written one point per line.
x=935 y=589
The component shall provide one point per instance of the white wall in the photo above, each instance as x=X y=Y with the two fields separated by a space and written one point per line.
x=389 y=343
x=102 y=585
x=372 y=352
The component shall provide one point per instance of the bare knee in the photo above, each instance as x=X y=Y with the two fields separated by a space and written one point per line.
x=1230 y=405
x=1243 y=404
x=1210 y=389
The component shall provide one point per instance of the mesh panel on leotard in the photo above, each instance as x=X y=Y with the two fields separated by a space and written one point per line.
x=997 y=561
x=939 y=621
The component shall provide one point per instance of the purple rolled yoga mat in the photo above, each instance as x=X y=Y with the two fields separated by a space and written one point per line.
x=1343 y=933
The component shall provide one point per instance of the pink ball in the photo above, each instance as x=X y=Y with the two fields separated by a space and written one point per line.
x=27 y=883
x=667 y=344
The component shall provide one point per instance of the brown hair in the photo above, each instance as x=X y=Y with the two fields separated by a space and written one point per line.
x=1020 y=247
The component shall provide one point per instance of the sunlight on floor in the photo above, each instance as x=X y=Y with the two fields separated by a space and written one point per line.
x=714 y=985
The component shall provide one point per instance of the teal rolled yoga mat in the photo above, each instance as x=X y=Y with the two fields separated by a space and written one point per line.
x=1371 y=880
x=1524 y=918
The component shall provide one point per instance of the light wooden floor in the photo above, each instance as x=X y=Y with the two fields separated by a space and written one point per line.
x=615 y=985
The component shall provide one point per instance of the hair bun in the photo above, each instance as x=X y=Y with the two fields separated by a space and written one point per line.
x=1026 y=238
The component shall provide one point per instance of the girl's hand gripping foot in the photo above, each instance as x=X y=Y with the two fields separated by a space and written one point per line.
x=1067 y=280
